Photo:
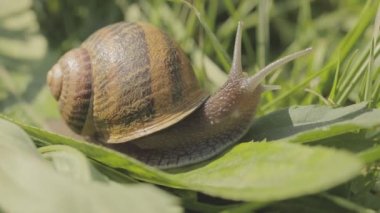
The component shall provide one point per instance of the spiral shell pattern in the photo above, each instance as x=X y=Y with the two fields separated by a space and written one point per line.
x=127 y=80
x=70 y=82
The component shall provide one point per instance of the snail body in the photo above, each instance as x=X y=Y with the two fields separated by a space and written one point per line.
x=130 y=87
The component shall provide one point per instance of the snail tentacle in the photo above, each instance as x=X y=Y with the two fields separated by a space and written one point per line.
x=236 y=67
x=256 y=79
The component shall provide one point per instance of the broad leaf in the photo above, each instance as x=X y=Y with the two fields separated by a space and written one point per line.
x=311 y=123
x=260 y=172
x=30 y=184
x=71 y=162
x=272 y=171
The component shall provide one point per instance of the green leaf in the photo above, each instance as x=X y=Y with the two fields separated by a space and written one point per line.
x=71 y=162
x=272 y=171
x=260 y=172
x=30 y=184
x=311 y=123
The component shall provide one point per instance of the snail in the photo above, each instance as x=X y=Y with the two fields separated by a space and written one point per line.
x=131 y=87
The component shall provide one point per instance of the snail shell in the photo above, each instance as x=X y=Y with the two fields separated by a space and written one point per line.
x=130 y=87
x=128 y=79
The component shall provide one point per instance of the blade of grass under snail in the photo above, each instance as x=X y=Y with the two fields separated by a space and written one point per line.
x=209 y=179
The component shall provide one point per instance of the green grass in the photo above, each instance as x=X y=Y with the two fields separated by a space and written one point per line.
x=342 y=70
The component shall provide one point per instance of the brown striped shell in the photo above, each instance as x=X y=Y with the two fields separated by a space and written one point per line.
x=127 y=80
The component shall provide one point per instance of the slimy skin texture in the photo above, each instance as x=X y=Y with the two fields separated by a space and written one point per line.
x=217 y=124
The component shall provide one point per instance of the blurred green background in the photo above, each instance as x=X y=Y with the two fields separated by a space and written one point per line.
x=343 y=69
x=34 y=34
